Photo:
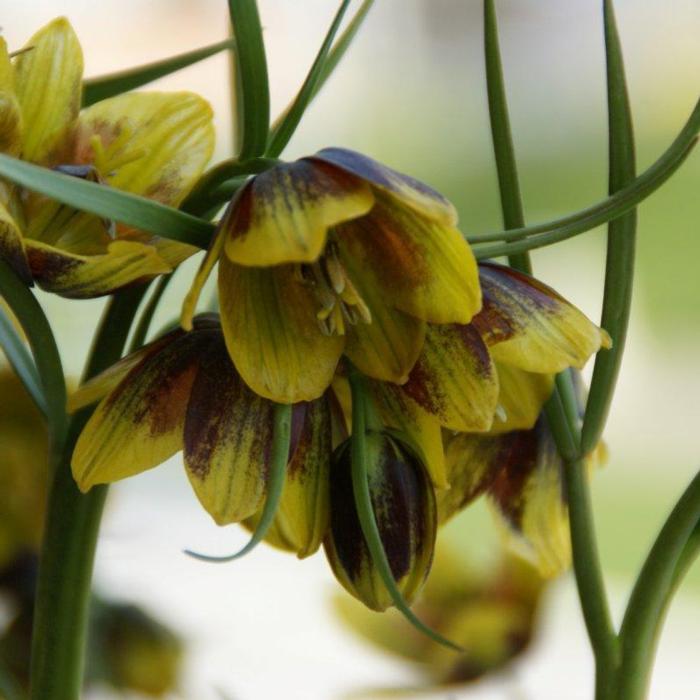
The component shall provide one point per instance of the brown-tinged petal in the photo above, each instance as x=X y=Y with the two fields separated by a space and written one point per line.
x=283 y=214
x=406 y=189
x=227 y=437
x=86 y=276
x=269 y=321
x=529 y=498
x=400 y=412
x=388 y=346
x=98 y=387
x=303 y=513
x=423 y=267
x=404 y=508
x=48 y=79
x=139 y=424
x=12 y=249
x=473 y=462
x=10 y=112
x=527 y=324
x=454 y=378
x=521 y=397
x=154 y=144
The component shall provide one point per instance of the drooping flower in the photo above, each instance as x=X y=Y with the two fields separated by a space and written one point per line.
x=521 y=473
x=181 y=392
x=150 y=143
x=333 y=254
x=493 y=374
x=488 y=607
x=404 y=508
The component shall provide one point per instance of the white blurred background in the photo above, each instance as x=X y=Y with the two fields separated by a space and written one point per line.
x=411 y=92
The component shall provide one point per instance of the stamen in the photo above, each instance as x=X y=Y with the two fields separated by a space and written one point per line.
x=501 y=413
x=339 y=301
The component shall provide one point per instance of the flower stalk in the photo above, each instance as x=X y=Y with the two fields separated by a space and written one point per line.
x=70 y=538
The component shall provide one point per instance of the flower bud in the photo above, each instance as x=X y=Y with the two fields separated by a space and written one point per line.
x=404 y=508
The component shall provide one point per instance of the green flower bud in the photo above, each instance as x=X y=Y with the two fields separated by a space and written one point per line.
x=403 y=502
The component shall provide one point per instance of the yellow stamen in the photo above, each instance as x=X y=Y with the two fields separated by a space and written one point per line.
x=339 y=300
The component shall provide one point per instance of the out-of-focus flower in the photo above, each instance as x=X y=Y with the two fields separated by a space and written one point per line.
x=182 y=392
x=403 y=502
x=24 y=470
x=333 y=254
x=522 y=474
x=489 y=609
x=133 y=651
x=128 y=648
x=150 y=143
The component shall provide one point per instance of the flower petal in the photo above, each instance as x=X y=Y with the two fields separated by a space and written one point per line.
x=150 y=143
x=454 y=378
x=228 y=430
x=521 y=397
x=283 y=214
x=98 y=387
x=48 y=84
x=419 y=427
x=409 y=191
x=269 y=321
x=303 y=513
x=87 y=276
x=388 y=347
x=12 y=248
x=527 y=324
x=140 y=423
x=10 y=112
x=529 y=499
x=423 y=267
x=473 y=462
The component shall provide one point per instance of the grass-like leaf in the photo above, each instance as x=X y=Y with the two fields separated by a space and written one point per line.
x=105 y=86
x=330 y=63
x=252 y=104
x=21 y=360
x=622 y=232
x=109 y=202
x=282 y=132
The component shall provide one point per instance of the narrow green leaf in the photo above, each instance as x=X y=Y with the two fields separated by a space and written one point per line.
x=141 y=331
x=334 y=57
x=109 y=202
x=278 y=471
x=47 y=359
x=253 y=93
x=283 y=131
x=619 y=265
x=568 y=227
x=20 y=360
x=105 y=86
x=617 y=204
x=503 y=149
x=368 y=523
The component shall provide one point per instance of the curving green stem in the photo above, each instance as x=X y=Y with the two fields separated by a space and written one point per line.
x=561 y=409
x=70 y=538
x=674 y=548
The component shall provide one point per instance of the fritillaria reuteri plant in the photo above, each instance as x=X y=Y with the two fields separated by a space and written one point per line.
x=369 y=369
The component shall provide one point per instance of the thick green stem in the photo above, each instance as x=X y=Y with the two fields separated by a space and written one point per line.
x=70 y=536
x=659 y=577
